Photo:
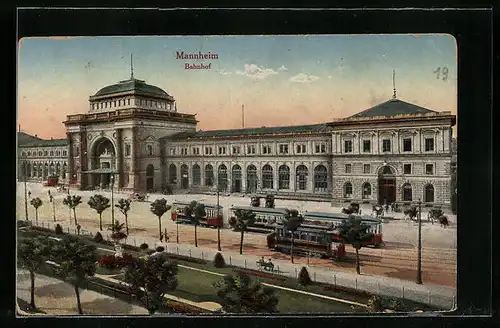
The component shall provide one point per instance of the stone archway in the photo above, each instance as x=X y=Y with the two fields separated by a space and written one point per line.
x=386 y=185
x=102 y=156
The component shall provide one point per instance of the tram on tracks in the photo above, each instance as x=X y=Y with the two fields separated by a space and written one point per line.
x=213 y=218
x=266 y=218
x=333 y=220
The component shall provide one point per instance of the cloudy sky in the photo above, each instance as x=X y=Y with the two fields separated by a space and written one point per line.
x=281 y=80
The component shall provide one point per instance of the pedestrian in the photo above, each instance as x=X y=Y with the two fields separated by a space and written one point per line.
x=48 y=192
x=29 y=193
x=51 y=198
x=161 y=237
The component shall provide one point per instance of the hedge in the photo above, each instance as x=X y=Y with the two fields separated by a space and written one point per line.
x=259 y=274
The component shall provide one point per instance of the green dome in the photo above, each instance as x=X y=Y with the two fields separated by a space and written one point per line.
x=137 y=86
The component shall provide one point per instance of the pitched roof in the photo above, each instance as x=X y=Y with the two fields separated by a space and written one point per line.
x=46 y=143
x=312 y=128
x=391 y=108
x=24 y=138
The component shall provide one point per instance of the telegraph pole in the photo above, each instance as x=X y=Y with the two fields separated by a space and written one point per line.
x=419 y=260
x=218 y=215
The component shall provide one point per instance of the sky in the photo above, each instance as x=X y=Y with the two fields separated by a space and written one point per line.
x=280 y=80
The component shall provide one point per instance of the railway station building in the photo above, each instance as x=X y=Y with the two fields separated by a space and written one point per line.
x=393 y=152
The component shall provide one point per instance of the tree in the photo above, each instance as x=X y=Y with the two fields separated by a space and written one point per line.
x=353 y=231
x=150 y=279
x=99 y=203
x=239 y=294
x=124 y=206
x=195 y=212
x=292 y=221
x=243 y=219
x=36 y=202
x=72 y=201
x=158 y=208
x=77 y=261
x=32 y=254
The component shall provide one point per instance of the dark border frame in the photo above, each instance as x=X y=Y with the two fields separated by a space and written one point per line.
x=473 y=32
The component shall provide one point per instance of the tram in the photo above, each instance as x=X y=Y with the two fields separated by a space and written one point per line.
x=210 y=220
x=332 y=220
x=265 y=218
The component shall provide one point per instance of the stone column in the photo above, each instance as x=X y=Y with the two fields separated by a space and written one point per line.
x=133 y=159
x=119 y=160
x=69 y=171
x=190 y=174
x=293 y=177
x=244 y=177
x=275 y=176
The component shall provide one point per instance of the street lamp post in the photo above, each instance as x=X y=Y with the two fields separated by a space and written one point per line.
x=25 y=189
x=218 y=215
x=419 y=259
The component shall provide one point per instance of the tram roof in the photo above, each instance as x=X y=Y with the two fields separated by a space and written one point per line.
x=338 y=216
x=187 y=203
x=260 y=209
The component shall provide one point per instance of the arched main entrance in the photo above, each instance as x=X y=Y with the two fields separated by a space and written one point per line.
x=251 y=178
x=150 y=174
x=103 y=156
x=386 y=185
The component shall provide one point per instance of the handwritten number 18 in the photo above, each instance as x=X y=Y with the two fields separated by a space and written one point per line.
x=441 y=72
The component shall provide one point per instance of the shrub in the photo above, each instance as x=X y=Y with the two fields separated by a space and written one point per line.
x=114 y=262
x=98 y=237
x=375 y=304
x=58 y=229
x=23 y=224
x=259 y=274
x=150 y=251
x=271 y=240
x=160 y=249
x=186 y=259
x=396 y=304
x=144 y=246
x=219 y=261
x=304 y=278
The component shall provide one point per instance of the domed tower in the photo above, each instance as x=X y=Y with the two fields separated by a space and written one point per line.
x=119 y=140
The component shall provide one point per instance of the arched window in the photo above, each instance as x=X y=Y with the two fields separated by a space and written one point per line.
x=51 y=153
x=267 y=177
x=209 y=175
x=58 y=169
x=429 y=193
x=367 y=190
x=63 y=171
x=347 y=190
x=284 y=177
x=40 y=153
x=150 y=170
x=236 y=178
x=407 y=192
x=222 y=177
x=23 y=154
x=301 y=176
x=172 y=174
x=320 y=178
x=196 y=175
x=251 y=178
x=29 y=153
x=46 y=170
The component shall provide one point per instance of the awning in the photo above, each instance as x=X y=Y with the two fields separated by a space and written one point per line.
x=102 y=171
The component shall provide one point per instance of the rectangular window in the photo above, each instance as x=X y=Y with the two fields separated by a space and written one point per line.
x=301 y=149
x=367 y=146
x=196 y=150
x=429 y=169
x=406 y=168
x=320 y=148
x=128 y=101
x=250 y=149
x=150 y=150
x=222 y=150
x=386 y=145
x=407 y=144
x=127 y=149
x=283 y=149
x=172 y=151
x=236 y=150
x=266 y=149
x=348 y=168
x=429 y=144
x=347 y=146
x=366 y=168
x=184 y=151
x=208 y=150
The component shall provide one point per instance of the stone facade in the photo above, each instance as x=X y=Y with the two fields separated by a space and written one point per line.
x=135 y=131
